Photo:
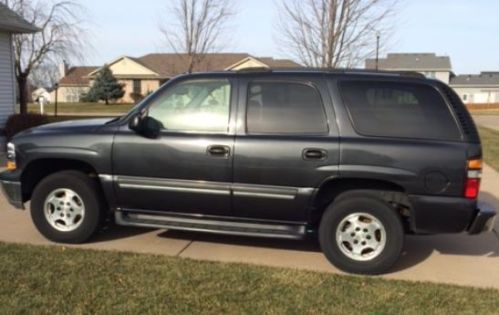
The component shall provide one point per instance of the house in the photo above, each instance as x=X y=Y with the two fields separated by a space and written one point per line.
x=10 y=23
x=74 y=83
x=477 y=89
x=143 y=75
x=41 y=93
x=429 y=64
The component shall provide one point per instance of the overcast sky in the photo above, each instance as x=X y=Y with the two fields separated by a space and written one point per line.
x=465 y=30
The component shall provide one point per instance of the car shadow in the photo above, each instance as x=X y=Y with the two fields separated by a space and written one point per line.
x=111 y=232
x=306 y=245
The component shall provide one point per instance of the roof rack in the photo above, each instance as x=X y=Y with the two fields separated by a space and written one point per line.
x=255 y=69
x=333 y=70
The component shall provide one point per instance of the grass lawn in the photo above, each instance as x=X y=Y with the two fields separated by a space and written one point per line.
x=37 y=279
x=479 y=112
x=90 y=108
x=490 y=146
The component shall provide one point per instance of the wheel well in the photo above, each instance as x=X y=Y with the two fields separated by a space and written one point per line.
x=37 y=170
x=330 y=190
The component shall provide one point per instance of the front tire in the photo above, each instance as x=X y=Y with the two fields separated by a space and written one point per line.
x=360 y=233
x=66 y=207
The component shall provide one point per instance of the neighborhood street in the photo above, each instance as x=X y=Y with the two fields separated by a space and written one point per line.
x=455 y=259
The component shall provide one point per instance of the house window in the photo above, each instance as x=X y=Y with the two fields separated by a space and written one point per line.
x=136 y=87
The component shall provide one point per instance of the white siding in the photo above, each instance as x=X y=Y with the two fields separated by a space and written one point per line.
x=7 y=100
x=478 y=95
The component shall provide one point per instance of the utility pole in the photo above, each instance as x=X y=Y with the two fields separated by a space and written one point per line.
x=56 y=92
x=377 y=50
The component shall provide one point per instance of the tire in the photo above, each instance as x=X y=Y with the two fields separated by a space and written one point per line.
x=83 y=220
x=346 y=226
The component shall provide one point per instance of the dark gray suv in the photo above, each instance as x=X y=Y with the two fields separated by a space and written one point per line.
x=354 y=158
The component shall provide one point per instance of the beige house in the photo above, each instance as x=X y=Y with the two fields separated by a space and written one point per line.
x=73 y=84
x=141 y=76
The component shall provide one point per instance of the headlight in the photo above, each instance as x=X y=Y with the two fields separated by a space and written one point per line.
x=11 y=157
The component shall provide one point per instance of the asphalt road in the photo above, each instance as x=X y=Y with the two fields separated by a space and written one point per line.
x=456 y=259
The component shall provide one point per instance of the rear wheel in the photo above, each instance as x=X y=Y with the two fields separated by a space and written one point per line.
x=361 y=233
x=66 y=207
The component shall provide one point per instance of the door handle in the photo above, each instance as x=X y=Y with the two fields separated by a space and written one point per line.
x=314 y=154
x=218 y=150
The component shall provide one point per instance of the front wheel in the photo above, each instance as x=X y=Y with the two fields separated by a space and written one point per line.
x=66 y=207
x=361 y=233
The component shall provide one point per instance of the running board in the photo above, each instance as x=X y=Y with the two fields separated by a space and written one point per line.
x=228 y=227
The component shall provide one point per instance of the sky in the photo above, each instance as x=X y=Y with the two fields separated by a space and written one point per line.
x=465 y=30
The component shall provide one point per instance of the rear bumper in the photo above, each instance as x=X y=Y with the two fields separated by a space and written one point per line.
x=435 y=214
x=484 y=220
x=11 y=188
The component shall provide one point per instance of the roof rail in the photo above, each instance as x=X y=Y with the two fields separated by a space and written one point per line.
x=333 y=70
x=254 y=69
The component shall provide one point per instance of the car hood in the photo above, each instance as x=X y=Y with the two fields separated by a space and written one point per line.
x=68 y=126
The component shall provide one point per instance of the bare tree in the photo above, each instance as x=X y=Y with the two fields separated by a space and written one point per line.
x=61 y=37
x=45 y=75
x=196 y=28
x=333 y=33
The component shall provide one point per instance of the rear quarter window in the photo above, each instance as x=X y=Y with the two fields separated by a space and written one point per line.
x=398 y=109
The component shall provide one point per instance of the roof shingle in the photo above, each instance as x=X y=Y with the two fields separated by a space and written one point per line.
x=413 y=62
x=168 y=65
x=484 y=78
x=77 y=76
x=12 y=22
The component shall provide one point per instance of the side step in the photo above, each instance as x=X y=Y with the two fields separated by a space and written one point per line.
x=208 y=225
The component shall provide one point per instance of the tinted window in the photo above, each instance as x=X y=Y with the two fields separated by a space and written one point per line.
x=285 y=108
x=201 y=105
x=395 y=109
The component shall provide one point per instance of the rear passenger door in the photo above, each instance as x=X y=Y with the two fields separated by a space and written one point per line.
x=286 y=144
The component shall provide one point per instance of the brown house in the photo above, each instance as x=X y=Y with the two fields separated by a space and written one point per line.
x=144 y=75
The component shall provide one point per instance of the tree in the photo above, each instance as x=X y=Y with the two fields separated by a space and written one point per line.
x=45 y=75
x=333 y=33
x=61 y=37
x=196 y=28
x=106 y=87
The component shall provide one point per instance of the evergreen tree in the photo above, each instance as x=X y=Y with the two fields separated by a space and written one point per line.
x=106 y=87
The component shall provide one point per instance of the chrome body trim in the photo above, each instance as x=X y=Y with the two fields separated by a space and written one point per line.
x=178 y=189
x=206 y=187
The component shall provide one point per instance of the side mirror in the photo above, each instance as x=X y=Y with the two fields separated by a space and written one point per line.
x=145 y=126
x=134 y=123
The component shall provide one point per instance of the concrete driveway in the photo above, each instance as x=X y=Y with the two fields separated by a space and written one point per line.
x=489 y=121
x=455 y=259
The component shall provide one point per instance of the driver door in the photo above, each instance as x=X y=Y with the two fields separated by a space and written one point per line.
x=188 y=168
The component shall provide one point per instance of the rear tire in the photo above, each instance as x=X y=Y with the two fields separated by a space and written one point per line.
x=67 y=207
x=360 y=233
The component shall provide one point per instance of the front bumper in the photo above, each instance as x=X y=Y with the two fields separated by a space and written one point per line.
x=11 y=188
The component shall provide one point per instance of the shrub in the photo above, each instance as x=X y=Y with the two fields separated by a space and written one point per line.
x=19 y=122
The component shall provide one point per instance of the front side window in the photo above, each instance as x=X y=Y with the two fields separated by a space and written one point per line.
x=200 y=106
x=399 y=109
x=284 y=108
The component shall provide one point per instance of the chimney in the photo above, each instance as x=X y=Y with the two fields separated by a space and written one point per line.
x=63 y=69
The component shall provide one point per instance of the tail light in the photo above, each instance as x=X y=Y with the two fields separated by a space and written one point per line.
x=473 y=176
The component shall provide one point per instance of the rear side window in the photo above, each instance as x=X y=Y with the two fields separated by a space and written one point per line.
x=284 y=108
x=398 y=109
